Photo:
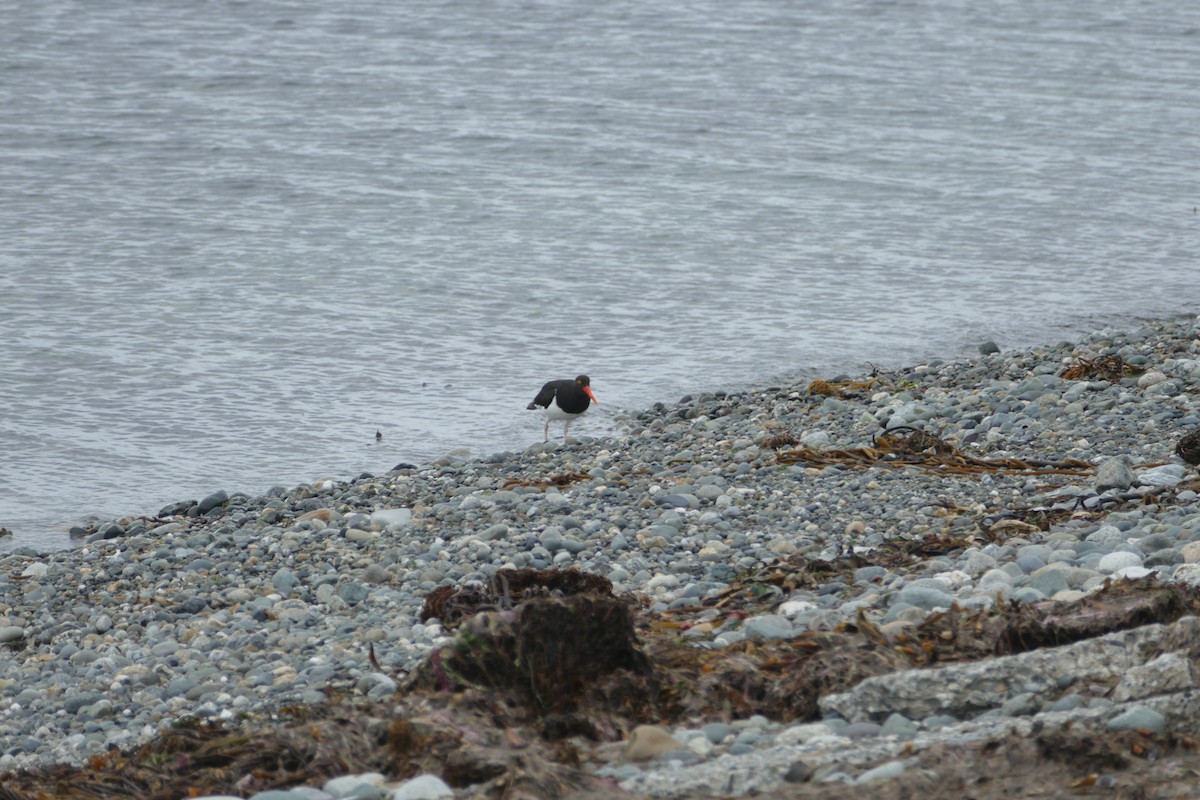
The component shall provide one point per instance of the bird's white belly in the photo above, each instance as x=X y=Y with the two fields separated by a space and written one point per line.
x=556 y=414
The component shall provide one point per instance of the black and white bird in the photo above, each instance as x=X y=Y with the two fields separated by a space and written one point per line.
x=564 y=400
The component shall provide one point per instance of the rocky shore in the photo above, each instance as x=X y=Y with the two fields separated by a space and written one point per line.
x=1014 y=565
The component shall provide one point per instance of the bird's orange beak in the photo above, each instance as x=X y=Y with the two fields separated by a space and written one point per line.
x=588 y=391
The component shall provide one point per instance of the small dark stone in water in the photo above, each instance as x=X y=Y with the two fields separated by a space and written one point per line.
x=111 y=530
x=403 y=465
x=988 y=348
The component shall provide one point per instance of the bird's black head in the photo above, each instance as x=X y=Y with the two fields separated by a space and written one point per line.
x=584 y=380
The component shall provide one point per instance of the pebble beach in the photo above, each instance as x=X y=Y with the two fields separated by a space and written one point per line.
x=232 y=607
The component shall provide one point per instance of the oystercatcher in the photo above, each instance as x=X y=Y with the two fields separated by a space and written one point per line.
x=564 y=400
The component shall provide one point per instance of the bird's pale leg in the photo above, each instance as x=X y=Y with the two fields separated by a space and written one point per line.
x=566 y=427
x=546 y=431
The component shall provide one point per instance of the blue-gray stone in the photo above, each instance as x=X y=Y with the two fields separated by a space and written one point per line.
x=1167 y=475
x=799 y=772
x=749 y=737
x=1138 y=717
x=1166 y=557
x=1030 y=389
x=352 y=592
x=1114 y=473
x=1049 y=582
x=74 y=703
x=716 y=732
x=573 y=545
x=110 y=530
x=668 y=532
x=885 y=771
x=1069 y=703
x=175 y=509
x=996 y=578
x=1155 y=541
x=1118 y=559
x=924 y=597
x=898 y=725
x=860 y=730
x=1030 y=564
x=768 y=626
x=1027 y=594
x=347 y=785
x=497 y=531
x=193 y=605
x=1021 y=705
x=309 y=793
x=285 y=581
x=939 y=721
x=1107 y=535
x=1040 y=551
x=212 y=501
x=392 y=518
x=868 y=574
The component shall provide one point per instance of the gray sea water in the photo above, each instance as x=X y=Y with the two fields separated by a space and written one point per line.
x=238 y=238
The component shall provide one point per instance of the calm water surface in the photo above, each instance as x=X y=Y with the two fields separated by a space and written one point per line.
x=236 y=238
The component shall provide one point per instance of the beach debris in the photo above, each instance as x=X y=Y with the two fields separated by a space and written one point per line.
x=1106 y=368
x=545 y=636
x=1009 y=628
x=912 y=447
x=1188 y=447
x=779 y=440
x=479 y=719
x=558 y=479
x=450 y=605
x=845 y=388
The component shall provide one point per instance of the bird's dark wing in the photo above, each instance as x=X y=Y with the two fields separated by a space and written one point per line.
x=546 y=396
